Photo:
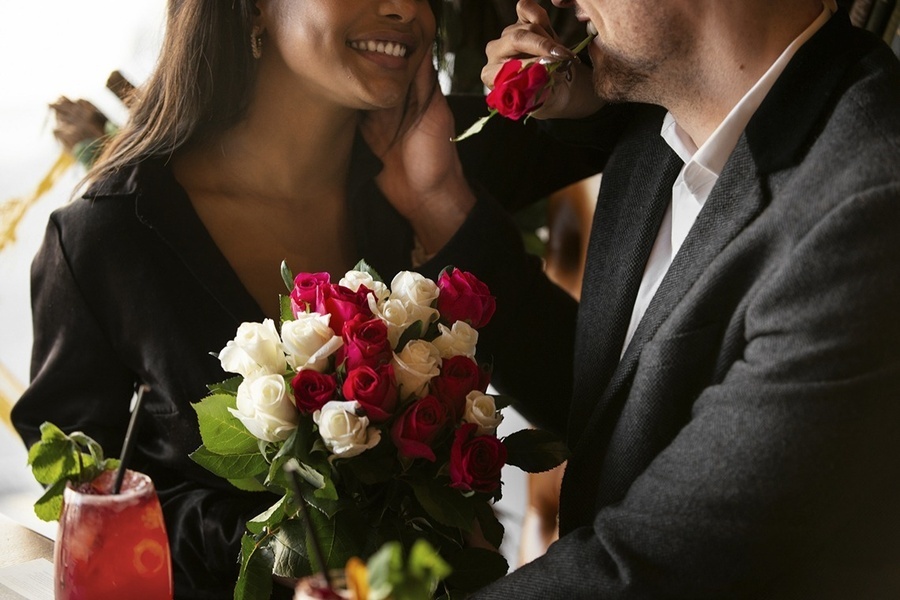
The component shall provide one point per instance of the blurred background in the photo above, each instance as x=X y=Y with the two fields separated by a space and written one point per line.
x=48 y=49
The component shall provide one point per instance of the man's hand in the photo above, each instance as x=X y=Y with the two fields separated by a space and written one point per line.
x=422 y=175
x=532 y=37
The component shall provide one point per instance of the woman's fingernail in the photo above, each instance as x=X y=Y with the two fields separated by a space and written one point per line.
x=559 y=52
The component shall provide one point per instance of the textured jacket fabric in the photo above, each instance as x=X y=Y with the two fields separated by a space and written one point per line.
x=745 y=445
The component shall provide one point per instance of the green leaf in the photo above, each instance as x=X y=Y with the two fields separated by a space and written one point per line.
x=535 y=450
x=425 y=564
x=232 y=466
x=491 y=527
x=271 y=518
x=291 y=558
x=413 y=332
x=255 y=576
x=222 y=432
x=475 y=127
x=444 y=504
x=229 y=386
x=287 y=277
x=52 y=459
x=287 y=312
x=49 y=506
x=474 y=568
x=248 y=485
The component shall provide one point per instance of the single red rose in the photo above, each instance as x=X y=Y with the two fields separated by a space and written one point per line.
x=476 y=460
x=463 y=297
x=365 y=343
x=419 y=427
x=312 y=390
x=306 y=286
x=518 y=90
x=374 y=389
x=459 y=375
x=342 y=304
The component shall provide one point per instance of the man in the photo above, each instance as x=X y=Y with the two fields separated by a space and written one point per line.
x=734 y=413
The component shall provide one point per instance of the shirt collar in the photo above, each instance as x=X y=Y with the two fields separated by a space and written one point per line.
x=704 y=164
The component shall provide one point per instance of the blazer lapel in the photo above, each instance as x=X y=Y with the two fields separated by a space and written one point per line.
x=637 y=203
x=734 y=202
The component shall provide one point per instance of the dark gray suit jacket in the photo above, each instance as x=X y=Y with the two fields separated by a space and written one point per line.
x=747 y=444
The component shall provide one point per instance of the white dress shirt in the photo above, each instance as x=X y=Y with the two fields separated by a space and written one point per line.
x=701 y=170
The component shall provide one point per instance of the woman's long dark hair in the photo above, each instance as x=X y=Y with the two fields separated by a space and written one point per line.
x=201 y=84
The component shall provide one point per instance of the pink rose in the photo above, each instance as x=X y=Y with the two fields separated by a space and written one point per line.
x=306 y=286
x=517 y=90
x=312 y=390
x=374 y=389
x=365 y=343
x=419 y=427
x=476 y=460
x=463 y=297
x=342 y=304
x=459 y=375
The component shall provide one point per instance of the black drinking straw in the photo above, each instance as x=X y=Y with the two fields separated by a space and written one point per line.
x=130 y=434
x=317 y=546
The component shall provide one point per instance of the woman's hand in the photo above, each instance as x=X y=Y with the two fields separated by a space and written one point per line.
x=532 y=37
x=422 y=176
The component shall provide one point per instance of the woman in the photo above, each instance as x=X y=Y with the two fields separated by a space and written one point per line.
x=242 y=150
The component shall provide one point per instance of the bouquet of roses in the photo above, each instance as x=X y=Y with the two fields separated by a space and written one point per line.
x=374 y=396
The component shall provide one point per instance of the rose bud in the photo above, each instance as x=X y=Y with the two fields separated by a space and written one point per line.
x=312 y=390
x=342 y=304
x=419 y=427
x=464 y=297
x=365 y=343
x=374 y=389
x=476 y=460
x=306 y=286
x=459 y=375
x=517 y=89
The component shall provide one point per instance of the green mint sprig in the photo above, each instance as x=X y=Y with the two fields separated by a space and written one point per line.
x=58 y=459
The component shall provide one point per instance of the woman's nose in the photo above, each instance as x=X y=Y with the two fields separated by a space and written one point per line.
x=400 y=10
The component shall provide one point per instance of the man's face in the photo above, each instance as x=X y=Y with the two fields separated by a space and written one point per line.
x=643 y=47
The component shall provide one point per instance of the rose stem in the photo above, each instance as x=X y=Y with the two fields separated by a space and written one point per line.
x=130 y=435
x=317 y=547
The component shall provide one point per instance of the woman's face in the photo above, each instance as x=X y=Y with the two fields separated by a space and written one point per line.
x=356 y=53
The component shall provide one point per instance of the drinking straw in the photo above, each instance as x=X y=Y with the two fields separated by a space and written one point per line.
x=130 y=435
x=316 y=545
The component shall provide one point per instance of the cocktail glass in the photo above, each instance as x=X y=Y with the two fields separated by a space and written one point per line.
x=112 y=545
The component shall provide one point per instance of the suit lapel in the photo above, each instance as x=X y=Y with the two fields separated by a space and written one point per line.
x=637 y=204
x=733 y=203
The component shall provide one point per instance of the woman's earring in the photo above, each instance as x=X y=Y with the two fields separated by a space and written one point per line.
x=256 y=42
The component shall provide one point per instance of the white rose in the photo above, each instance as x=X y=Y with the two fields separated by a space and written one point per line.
x=418 y=294
x=395 y=315
x=265 y=408
x=344 y=432
x=415 y=366
x=255 y=350
x=354 y=279
x=482 y=411
x=309 y=341
x=458 y=340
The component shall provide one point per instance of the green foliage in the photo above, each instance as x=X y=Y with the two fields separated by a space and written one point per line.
x=413 y=579
x=58 y=459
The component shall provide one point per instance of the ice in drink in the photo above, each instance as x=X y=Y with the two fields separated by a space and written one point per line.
x=112 y=545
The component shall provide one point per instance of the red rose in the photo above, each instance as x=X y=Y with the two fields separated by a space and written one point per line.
x=417 y=428
x=312 y=390
x=463 y=297
x=306 y=286
x=374 y=389
x=365 y=343
x=342 y=304
x=476 y=461
x=459 y=375
x=517 y=90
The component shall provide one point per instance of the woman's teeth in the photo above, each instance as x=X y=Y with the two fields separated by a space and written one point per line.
x=591 y=28
x=389 y=48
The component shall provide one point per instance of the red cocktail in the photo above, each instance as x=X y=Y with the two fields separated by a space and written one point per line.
x=112 y=545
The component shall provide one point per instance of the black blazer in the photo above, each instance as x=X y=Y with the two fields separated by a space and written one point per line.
x=746 y=444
